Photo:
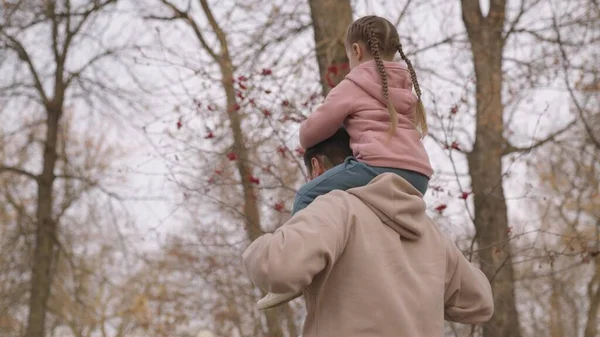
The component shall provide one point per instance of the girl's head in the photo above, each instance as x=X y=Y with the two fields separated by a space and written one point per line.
x=375 y=38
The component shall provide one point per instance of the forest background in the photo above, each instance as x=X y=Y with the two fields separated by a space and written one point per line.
x=144 y=144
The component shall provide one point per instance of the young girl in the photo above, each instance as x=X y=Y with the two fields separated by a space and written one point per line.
x=384 y=119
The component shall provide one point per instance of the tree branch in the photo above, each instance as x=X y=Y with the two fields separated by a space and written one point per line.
x=213 y=23
x=511 y=148
x=471 y=13
x=24 y=56
x=179 y=14
x=254 y=50
x=50 y=13
x=516 y=21
x=403 y=12
x=161 y=18
x=565 y=63
x=93 y=60
x=85 y=16
x=18 y=171
x=90 y=184
x=497 y=13
x=448 y=39
x=542 y=38
x=446 y=144
x=68 y=20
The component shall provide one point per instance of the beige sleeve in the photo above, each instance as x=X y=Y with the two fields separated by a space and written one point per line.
x=468 y=297
x=288 y=259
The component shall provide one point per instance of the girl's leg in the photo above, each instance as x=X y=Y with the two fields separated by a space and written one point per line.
x=419 y=181
x=351 y=173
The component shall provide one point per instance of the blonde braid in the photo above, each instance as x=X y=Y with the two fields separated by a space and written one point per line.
x=373 y=43
x=420 y=116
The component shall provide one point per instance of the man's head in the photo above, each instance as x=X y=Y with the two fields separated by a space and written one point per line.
x=328 y=153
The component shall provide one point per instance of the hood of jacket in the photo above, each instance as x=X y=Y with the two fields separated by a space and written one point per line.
x=367 y=77
x=396 y=202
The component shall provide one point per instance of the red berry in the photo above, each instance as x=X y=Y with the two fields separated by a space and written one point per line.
x=441 y=208
x=281 y=150
x=231 y=156
x=454 y=109
x=254 y=180
x=333 y=69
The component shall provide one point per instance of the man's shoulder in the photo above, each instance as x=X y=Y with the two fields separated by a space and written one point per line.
x=338 y=196
x=338 y=201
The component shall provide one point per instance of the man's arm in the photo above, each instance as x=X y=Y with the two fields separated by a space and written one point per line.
x=288 y=259
x=329 y=116
x=468 y=298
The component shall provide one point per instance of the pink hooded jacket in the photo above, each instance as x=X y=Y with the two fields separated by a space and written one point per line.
x=358 y=103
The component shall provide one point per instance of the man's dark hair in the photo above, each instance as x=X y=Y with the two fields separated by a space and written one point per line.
x=332 y=150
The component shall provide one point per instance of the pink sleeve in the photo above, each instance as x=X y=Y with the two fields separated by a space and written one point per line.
x=329 y=116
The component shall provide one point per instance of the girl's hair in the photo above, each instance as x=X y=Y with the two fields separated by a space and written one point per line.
x=382 y=39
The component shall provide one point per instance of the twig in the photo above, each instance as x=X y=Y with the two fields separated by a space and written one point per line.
x=18 y=171
x=565 y=64
x=511 y=148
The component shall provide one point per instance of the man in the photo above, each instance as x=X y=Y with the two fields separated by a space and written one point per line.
x=327 y=154
x=369 y=262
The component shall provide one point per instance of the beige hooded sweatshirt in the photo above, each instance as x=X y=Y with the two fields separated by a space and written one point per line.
x=370 y=262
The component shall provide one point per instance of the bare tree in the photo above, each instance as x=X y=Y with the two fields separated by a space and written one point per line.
x=240 y=138
x=570 y=179
x=488 y=35
x=485 y=162
x=51 y=77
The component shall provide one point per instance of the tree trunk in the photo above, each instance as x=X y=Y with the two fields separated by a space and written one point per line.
x=331 y=19
x=591 y=327
x=485 y=164
x=251 y=204
x=41 y=278
x=556 y=314
x=251 y=207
